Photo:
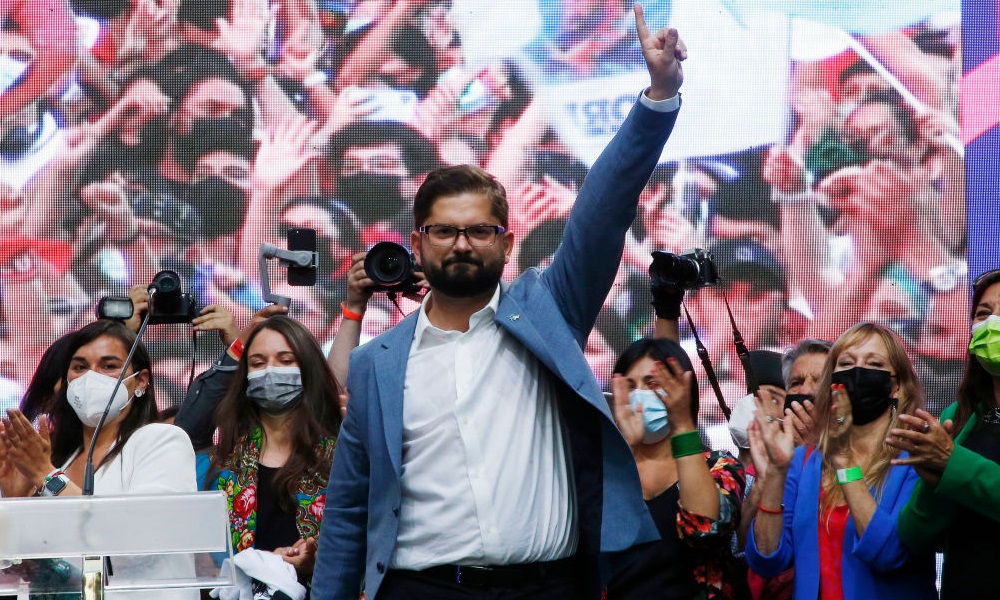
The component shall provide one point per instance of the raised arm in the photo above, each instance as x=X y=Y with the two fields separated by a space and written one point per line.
x=51 y=29
x=585 y=265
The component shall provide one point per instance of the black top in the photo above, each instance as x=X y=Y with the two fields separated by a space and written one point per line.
x=275 y=527
x=663 y=569
x=972 y=548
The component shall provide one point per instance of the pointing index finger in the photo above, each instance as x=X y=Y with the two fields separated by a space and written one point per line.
x=640 y=24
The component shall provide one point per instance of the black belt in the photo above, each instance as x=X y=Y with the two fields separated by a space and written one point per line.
x=500 y=575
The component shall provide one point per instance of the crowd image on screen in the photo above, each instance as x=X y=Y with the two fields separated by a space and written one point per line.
x=138 y=136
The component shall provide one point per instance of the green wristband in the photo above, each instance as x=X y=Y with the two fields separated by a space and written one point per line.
x=849 y=475
x=686 y=444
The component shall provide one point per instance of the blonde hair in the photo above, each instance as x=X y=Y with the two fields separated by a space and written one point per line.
x=909 y=397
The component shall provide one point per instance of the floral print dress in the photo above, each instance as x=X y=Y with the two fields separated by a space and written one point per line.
x=239 y=482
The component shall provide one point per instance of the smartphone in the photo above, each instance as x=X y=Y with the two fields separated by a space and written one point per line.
x=388 y=104
x=302 y=238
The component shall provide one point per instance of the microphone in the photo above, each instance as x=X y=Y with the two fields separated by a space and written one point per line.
x=88 y=470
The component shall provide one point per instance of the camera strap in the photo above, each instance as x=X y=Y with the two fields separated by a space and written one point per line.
x=741 y=350
x=706 y=363
x=394 y=297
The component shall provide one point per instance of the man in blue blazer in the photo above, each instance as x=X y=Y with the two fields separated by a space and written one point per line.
x=478 y=457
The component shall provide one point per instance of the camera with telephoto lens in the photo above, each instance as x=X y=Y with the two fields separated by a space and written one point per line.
x=392 y=268
x=169 y=304
x=691 y=270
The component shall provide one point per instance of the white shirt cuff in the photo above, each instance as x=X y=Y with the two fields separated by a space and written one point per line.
x=668 y=105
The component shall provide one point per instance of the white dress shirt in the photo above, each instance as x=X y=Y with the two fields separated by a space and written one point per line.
x=485 y=471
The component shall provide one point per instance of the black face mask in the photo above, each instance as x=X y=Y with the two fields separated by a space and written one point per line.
x=800 y=398
x=372 y=196
x=221 y=204
x=869 y=390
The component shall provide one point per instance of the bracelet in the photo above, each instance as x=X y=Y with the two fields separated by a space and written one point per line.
x=771 y=511
x=40 y=489
x=686 y=444
x=236 y=349
x=349 y=314
x=849 y=475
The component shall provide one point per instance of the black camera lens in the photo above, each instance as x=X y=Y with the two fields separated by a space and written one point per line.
x=390 y=267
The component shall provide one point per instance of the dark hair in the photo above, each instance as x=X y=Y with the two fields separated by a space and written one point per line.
x=67 y=429
x=805 y=346
x=895 y=103
x=411 y=45
x=541 y=243
x=169 y=412
x=316 y=416
x=659 y=349
x=859 y=67
x=513 y=107
x=41 y=393
x=460 y=179
x=101 y=9
x=975 y=392
x=419 y=154
x=183 y=69
x=202 y=13
x=561 y=166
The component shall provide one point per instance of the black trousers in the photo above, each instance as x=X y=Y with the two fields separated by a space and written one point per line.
x=414 y=585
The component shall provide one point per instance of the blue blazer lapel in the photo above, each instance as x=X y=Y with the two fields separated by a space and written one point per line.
x=390 y=376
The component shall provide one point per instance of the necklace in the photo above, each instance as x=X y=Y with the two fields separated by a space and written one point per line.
x=992 y=417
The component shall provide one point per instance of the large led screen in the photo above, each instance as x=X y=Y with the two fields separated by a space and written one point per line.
x=817 y=157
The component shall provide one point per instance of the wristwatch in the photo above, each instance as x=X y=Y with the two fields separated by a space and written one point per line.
x=54 y=484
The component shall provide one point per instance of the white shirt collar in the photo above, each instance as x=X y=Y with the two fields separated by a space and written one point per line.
x=483 y=315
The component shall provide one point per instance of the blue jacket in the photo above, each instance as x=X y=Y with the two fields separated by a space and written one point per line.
x=874 y=566
x=556 y=311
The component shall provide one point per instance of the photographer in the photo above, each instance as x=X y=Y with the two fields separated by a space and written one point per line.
x=359 y=292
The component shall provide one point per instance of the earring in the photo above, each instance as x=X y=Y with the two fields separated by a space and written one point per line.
x=139 y=393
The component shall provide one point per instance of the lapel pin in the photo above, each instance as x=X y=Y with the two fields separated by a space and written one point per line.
x=515 y=317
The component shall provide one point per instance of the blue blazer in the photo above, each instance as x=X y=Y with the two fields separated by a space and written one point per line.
x=551 y=313
x=876 y=565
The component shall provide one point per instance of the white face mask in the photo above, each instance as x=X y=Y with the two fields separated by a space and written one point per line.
x=739 y=421
x=89 y=393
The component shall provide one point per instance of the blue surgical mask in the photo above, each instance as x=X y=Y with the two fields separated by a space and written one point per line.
x=654 y=415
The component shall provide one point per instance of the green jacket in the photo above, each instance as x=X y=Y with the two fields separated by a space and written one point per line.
x=970 y=480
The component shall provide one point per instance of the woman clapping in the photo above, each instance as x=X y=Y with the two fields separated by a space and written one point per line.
x=830 y=511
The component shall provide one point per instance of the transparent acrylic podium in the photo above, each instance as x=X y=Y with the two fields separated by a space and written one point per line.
x=114 y=546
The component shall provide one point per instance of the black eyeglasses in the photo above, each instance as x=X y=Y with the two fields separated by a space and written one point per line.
x=479 y=236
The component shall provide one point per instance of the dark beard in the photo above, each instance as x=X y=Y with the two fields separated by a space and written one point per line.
x=477 y=278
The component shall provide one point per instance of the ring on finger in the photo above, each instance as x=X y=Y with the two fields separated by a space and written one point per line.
x=925 y=428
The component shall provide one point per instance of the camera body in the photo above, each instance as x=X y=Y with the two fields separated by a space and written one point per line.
x=169 y=304
x=392 y=268
x=691 y=270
